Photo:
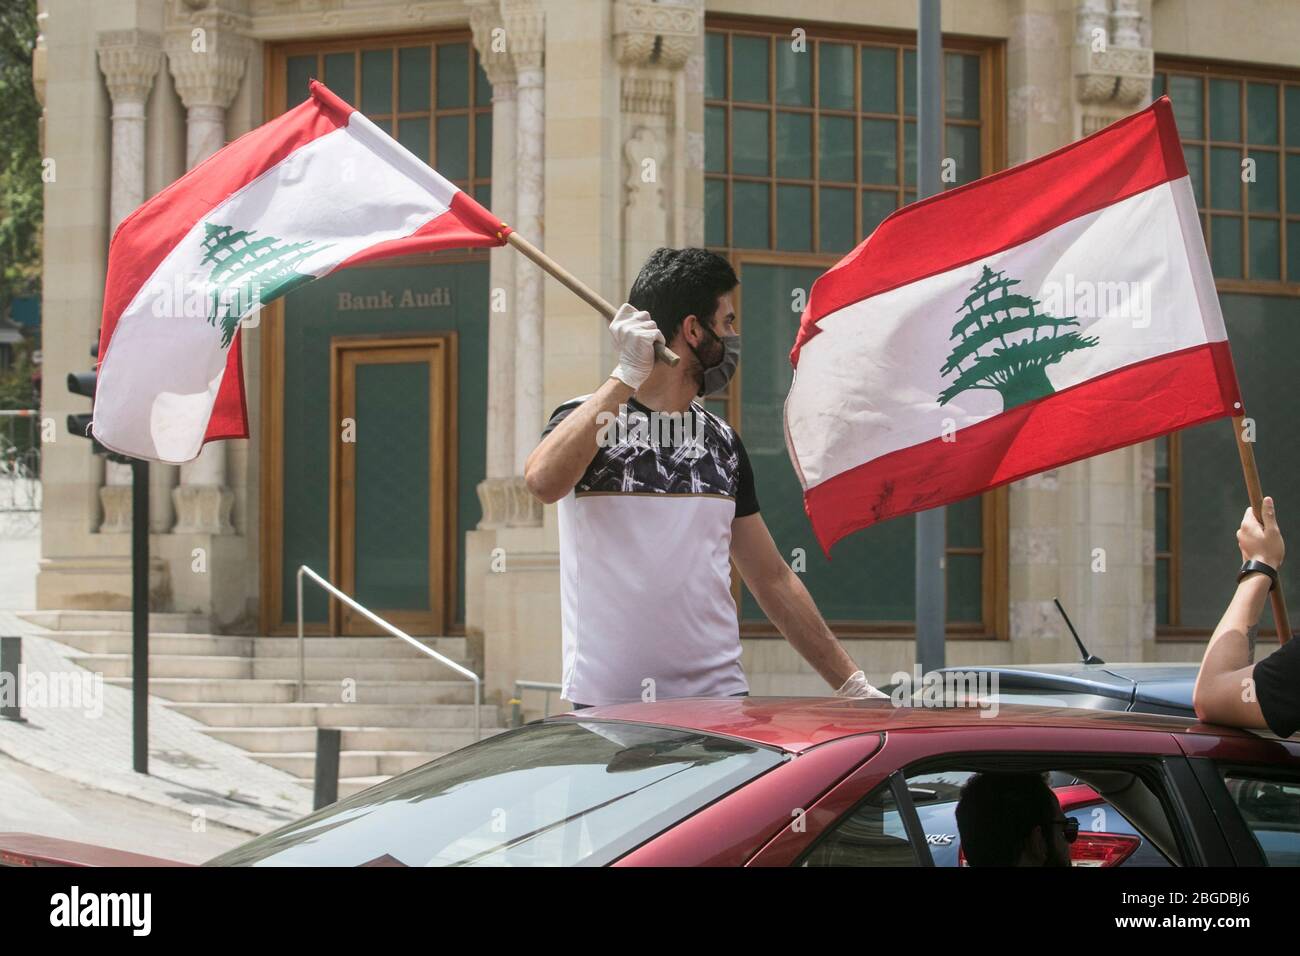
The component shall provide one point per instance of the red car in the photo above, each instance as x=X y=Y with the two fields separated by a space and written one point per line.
x=797 y=782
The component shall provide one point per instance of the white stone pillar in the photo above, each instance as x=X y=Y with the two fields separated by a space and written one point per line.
x=494 y=491
x=525 y=22
x=653 y=42
x=208 y=69
x=1112 y=70
x=129 y=60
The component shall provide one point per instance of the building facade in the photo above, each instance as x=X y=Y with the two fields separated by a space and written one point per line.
x=778 y=134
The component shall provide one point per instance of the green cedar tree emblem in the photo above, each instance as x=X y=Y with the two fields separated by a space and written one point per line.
x=998 y=354
x=248 y=270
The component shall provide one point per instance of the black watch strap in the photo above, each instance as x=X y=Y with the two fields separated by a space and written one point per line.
x=1261 y=567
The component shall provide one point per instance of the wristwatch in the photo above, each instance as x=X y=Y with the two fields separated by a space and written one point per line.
x=1260 y=566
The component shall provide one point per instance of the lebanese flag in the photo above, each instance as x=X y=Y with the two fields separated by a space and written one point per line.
x=317 y=189
x=1056 y=310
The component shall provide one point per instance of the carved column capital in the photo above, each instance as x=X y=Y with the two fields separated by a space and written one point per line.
x=1112 y=70
x=662 y=34
x=207 y=61
x=490 y=40
x=129 y=60
x=525 y=26
x=1119 y=75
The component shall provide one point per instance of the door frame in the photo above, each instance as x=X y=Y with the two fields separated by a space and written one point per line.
x=442 y=460
x=268 y=352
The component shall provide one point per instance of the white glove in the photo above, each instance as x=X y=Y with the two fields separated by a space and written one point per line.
x=635 y=335
x=857 y=686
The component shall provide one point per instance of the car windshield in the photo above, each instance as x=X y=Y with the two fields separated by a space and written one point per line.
x=550 y=794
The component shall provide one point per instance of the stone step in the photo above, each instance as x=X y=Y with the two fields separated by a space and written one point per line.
x=360 y=669
x=248 y=691
x=222 y=645
x=350 y=785
x=352 y=763
x=119 y=642
x=385 y=646
x=265 y=740
x=168 y=665
x=160 y=621
x=336 y=715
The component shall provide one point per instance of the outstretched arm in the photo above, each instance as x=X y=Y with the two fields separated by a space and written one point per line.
x=1225 y=692
x=788 y=605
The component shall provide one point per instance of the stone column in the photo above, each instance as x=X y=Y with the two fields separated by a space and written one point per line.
x=208 y=70
x=1083 y=531
x=1038 y=121
x=129 y=59
x=653 y=43
x=494 y=493
x=525 y=26
x=1112 y=69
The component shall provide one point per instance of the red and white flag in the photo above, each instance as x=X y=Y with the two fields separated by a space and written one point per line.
x=317 y=189
x=1056 y=310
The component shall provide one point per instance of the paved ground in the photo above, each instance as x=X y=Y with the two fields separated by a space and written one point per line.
x=33 y=801
x=85 y=738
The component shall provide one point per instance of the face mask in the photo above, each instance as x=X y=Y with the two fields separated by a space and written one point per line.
x=717 y=376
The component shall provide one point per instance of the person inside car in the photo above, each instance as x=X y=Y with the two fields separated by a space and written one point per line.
x=1230 y=687
x=656 y=500
x=1013 y=819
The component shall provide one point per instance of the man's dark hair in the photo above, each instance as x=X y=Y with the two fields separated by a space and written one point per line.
x=996 y=813
x=675 y=283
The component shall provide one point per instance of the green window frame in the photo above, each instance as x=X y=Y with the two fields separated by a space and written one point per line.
x=805 y=153
x=430 y=94
x=851 y=97
x=1227 y=116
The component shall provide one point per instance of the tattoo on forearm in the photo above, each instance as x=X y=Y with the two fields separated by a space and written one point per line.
x=1252 y=633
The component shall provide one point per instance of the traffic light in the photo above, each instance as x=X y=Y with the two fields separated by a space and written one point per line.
x=83 y=384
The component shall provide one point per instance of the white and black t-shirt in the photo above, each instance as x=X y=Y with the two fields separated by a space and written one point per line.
x=645 y=560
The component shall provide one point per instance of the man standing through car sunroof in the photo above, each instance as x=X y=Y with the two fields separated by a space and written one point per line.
x=656 y=499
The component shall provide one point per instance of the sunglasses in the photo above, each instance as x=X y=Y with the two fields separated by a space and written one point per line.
x=1071 y=826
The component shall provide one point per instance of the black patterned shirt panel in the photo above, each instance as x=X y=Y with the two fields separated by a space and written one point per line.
x=644 y=455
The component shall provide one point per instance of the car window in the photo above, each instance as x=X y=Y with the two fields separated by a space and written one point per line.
x=1106 y=837
x=872 y=834
x=554 y=794
x=1271 y=809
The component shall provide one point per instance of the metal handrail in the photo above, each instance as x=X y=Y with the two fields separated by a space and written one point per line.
x=395 y=632
x=516 y=704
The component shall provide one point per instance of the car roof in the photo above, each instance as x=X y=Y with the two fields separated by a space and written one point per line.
x=1165 y=685
x=797 y=723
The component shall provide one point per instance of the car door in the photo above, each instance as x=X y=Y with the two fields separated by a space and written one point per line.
x=876 y=804
x=1252 y=782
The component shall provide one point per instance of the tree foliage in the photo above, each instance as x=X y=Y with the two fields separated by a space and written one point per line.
x=21 y=198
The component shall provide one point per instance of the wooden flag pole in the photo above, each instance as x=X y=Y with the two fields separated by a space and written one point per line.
x=1247 y=452
x=575 y=285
